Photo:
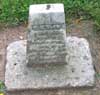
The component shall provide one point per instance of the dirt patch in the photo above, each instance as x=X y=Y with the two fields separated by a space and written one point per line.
x=82 y=29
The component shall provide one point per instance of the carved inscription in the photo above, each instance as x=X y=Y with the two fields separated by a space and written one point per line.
x=48 y=27
x=46 y=46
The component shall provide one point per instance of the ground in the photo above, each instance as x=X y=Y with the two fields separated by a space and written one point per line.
x=81 y=29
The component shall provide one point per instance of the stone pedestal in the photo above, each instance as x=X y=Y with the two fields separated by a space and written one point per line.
x=78 y=72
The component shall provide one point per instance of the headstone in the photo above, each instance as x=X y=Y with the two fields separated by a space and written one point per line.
x=46 y=36
x=47 y=44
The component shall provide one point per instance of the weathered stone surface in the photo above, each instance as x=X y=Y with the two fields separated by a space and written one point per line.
x=46 y=36
x=46 y=47
x=77 y=72
x=42 y=14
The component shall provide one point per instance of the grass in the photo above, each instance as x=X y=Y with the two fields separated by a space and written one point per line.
x=14 y=12
x=2 y=88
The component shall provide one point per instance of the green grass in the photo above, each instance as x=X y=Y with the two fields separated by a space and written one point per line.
x=16 y=11
x=2 y=87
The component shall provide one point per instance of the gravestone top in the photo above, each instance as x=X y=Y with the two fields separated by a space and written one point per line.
x=46 y=14
x=46 y=8
x=47 y=33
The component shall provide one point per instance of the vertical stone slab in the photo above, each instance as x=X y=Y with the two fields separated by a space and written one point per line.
x=46 y=36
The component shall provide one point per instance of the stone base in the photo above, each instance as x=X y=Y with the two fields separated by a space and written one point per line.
x=78 y=71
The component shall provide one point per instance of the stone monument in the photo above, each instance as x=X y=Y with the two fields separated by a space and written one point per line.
x=48 y=59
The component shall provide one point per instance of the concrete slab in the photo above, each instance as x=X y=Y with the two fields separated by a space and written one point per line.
x=78 y=71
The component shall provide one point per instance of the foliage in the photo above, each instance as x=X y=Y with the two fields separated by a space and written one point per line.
x=1 y=93
x=97 y=75
x=2 y=88
x=16 y=11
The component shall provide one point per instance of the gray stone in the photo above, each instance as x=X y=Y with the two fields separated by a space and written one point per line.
x=46 y=36
x=42 y=14
x=78 y=71
x=46 y=47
